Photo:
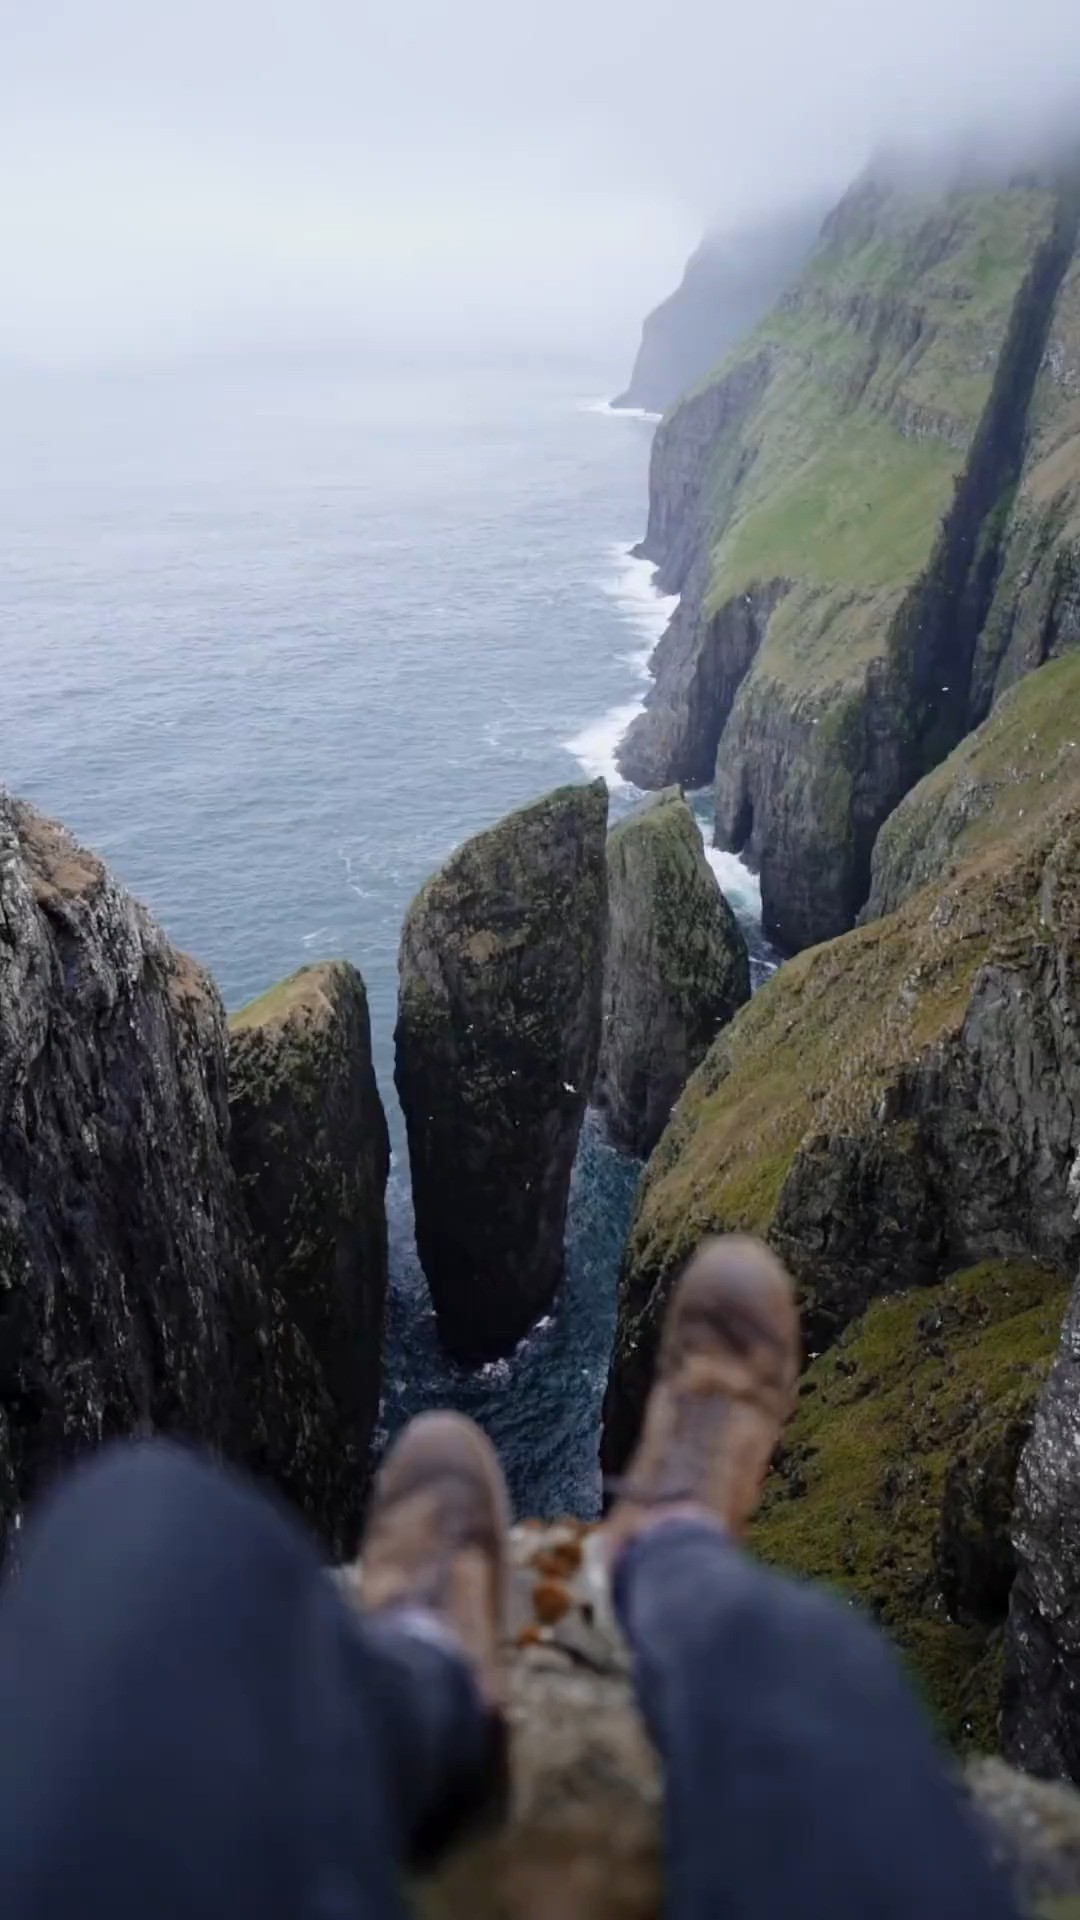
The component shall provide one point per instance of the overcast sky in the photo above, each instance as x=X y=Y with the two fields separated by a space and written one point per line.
x=226 y=172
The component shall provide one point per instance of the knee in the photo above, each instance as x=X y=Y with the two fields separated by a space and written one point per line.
x=155 y=1506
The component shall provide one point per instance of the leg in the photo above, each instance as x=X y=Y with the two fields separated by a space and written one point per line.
x=800 y=1777
x=196 y=1721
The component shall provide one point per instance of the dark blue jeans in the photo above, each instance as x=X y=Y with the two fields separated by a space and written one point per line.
x=194 y=1722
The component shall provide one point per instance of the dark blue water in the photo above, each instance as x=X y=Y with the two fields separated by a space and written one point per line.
x=275 y=641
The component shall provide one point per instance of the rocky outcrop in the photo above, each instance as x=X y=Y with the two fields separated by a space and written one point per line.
x=677 y=968
x=311 y=1153
x=583 y=1838
x=1041 y=1726
x=123 y=1260
x=890 y=1108
x=730 y=282
x=498 y=1032
x=831 y=507
x=1022 y=761
x=130 y=1301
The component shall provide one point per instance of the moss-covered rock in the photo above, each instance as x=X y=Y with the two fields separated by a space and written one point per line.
x=311 y=1153
x=498 y=1031
x=895 y=1479
x=1023 y=761
x=677 y=968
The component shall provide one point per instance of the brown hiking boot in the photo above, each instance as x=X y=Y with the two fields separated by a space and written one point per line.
x=725 y=1384
x=437 y=1539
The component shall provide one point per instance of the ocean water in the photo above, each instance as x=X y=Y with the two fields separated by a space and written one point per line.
x=275 y=640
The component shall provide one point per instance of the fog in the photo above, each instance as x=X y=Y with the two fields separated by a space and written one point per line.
x=244 y=174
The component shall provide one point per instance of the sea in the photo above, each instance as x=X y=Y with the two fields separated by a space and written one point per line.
x=275 y=637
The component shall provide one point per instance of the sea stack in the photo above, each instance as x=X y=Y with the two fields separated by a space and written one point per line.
x=677 y=968
x=501 y=971
x=310 y=1149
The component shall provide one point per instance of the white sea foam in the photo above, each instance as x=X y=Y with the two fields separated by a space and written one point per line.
x=617 y=413
x=647 y=612
x=742 y=887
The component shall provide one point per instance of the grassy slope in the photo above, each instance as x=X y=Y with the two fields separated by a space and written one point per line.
x=847 y=464
x=1018 y=765
x=818 y=1045
x=917 y=1382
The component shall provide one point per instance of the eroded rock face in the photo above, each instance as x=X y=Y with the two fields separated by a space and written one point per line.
x=498 y=1032
x=123 y=1258
x=677 y=968
x=1041 y=1719
x=311 y=1153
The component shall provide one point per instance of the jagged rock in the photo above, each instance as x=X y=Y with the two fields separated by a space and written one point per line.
x=677 y=968
x=498 y=1032
x=311 y=1153
x=830 y=506
x=584 y=1837
x=129 y=1298
x=1041 y=1722
x=123 y=1263
x=730 y=281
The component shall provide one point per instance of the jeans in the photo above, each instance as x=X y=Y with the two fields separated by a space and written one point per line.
x=195 y=1722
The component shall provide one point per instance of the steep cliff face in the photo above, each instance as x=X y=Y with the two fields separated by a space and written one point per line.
x=1035 y=613
x=831 y=508
x=677 y=968
x=893 y=1104
x=730 y=282
x=1041 y=1728
x=311 y=1153
x=123 y=1266
x=498 y=1032
x=130 y=1300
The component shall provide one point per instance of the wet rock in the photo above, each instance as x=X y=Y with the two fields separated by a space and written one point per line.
x=498 y=1033
x=677 y=968
x=311 y=1153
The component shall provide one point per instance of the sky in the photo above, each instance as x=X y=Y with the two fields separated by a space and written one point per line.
x=238 y=174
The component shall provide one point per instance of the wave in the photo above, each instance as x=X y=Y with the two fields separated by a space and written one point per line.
x=618 y=413
x=630 y=584
x=742 y=887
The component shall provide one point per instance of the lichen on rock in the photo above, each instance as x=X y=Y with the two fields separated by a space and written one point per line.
x=498 y=1032
x=677 y=968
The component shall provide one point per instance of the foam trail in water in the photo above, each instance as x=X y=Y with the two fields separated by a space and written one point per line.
x=617 y=413
x=647 y=612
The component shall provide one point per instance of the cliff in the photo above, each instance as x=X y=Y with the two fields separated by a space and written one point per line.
x=501 y=967
x=831 y=505
x=311 y=1153
x=130 y=1298
x=730 y=282
x=677 y=968
x=894 y=1108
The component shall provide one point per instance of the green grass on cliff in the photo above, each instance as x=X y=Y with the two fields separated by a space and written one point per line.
x=881 y=362
x=302 y=991
x=1017 y=767
x=920 y=1380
